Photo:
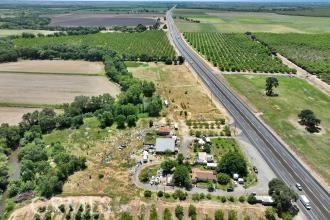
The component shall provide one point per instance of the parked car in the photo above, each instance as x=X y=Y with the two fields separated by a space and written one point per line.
x=299 y=187
x=255 y=169
x=230 y=189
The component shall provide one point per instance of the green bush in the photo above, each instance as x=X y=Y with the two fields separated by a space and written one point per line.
x=179 y=212
x=147 y=193
x=218 y=215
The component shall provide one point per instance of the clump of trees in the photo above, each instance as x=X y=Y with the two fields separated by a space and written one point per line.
x=230 y=163
x=308 y=119
x=271 y=82
x=282 y=196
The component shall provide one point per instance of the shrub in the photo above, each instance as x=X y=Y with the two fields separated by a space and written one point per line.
x=209 y=196
x=223 y=178
x=179 y=213
x=251 y=199
x=210 y=187
x=223 y=199
x=147 y=193
x=167 y=214
x=231 y=199
x=180 y=194
x=195 y=197
x=153 y=213
x=218 y=215
x=232 y=215
x=241 y=199
x=270 y=214
x=160 y=193
x=167 y=195
x=192 y=210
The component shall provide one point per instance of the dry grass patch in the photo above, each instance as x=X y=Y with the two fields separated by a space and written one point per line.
x=176 y=83
x=54 y=66
x=51 y=89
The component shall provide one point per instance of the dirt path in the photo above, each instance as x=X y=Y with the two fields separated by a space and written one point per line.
x=303 y=74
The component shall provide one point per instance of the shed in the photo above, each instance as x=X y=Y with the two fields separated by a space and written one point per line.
x=265 y=200
x=165 y=145
x=163 y=131
x=211 y=165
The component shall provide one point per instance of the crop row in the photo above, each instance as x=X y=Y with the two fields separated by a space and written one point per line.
x=151 y=43
x=235 y=52
x=309 y=51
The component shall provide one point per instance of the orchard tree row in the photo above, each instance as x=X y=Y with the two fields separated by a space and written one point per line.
x=235 y=52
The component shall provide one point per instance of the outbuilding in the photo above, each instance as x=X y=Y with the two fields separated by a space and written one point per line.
x=165 y=145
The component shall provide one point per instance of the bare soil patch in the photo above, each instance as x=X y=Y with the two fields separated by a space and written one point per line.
x=51 y=89
x=175 y=83
x=13 y=115
x=106 y=20
x=54 y=66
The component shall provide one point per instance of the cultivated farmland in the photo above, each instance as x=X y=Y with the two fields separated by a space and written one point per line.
x=53 y=66
x=41 y=89
x=13 y=115
x=97 y=20
x=311 y=52
x=241 y=22
x=152 y=43
x=235 y=52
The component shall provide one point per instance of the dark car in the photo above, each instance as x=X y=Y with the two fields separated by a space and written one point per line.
x=230 y=189
x=255 y=169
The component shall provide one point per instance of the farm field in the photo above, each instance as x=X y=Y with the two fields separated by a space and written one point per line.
x=96 y=20
x=235 y=52
x=281 y=114
x=310 y=52
x=13 y=115
x=241 y=22
x=177 y=85
x=21 y=88
x=152 y=43
x=53 y=66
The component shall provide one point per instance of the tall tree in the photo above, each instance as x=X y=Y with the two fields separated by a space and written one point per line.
x=308 y=119
x=271 y=82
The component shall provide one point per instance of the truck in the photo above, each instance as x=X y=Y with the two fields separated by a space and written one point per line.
x=305 y=202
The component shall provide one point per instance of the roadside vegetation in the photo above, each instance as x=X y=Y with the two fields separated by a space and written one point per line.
x=310 y=52
x=281 y=112
x=235 y=52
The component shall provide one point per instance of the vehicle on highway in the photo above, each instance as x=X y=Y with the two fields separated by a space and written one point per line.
x=299 y=187
x=305 y=202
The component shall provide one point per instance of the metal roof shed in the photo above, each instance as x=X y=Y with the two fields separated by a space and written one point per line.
x=165 y=144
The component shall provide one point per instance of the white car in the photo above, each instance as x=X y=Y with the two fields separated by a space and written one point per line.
x=299 y=187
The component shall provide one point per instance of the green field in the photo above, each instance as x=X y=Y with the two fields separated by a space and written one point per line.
x=311 y=52
x=222 y=21
x=152 y=43
x=281 y=113
x=235 y=52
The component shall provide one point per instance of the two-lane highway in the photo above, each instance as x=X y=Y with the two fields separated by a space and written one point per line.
x=283 y=163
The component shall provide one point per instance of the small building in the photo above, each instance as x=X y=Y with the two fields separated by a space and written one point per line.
x=169 y=180
x=265 y=200
x=211 y=165
x=204 y=158
x=163 y=131
x=202 y=176
x=165 y=145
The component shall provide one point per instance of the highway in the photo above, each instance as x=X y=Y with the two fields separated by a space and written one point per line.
x=280 y=160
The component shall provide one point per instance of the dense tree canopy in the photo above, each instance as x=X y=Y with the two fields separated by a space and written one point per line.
x=232 y=162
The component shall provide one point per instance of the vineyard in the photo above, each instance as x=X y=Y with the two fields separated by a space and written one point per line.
x=310 y=52
x=235 y=52
x=151 y=43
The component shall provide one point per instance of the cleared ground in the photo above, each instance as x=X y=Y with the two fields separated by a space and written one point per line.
x=180 y=88
x=106 y=20
x=9 y=32
x=13 y=115
x=221 y=21
x=137 y=208
x=54 y=66
x=281 y=114
x=51 y=89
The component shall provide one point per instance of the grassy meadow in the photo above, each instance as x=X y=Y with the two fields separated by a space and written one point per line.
x=222 y=21
x=281 y=113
